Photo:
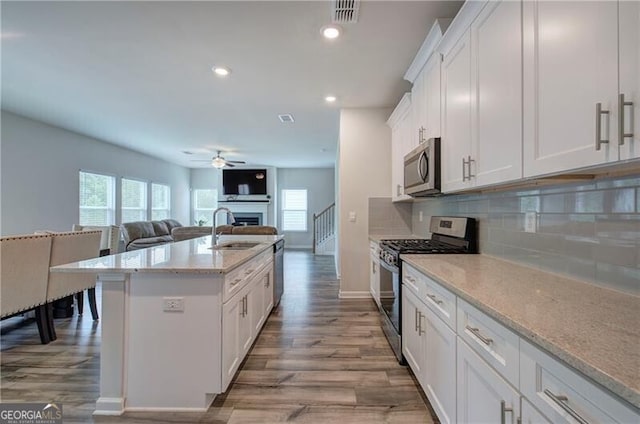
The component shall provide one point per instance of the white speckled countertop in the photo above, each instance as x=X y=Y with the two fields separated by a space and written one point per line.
x=594 y=330
x=189 y=256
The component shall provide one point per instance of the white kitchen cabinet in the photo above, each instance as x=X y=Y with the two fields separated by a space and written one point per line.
x=456 y=115
x=255 y=304
x=236 y=334
x=565 y=396
x=267 y=298
x=629 y=21
x=483 y=396
x=531 y=415
x=570 y=70
x=496 y=87
x=413 y=334
x=400 y=124
x=432 y=89
x=418 y=112
x=374 y=272
x=440 y=368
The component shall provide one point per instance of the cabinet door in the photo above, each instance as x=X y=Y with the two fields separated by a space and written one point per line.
x=232 y=313
x=496 y=36
x=267 y=299
x=255 y=305
x=412 y=334
x=418 y=117
x=400 y=134
x=432 y=96
x=456 y=131
x=483 y=396
x=530 y=415
x=374 y=277
x=570 y=66
x=440 y=368
x=630 y=77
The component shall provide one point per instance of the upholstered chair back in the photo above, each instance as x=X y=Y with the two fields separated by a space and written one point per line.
x=24 y=272
x=110 y=238
x=72 y=247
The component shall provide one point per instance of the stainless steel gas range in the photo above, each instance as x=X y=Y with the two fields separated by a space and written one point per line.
x=453 y=235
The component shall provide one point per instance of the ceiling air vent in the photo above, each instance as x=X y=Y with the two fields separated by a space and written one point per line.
x=345 y=11
x=285 y=118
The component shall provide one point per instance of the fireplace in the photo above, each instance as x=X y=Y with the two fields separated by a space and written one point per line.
x=248 y=218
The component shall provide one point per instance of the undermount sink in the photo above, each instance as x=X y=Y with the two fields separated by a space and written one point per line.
x=237 y=245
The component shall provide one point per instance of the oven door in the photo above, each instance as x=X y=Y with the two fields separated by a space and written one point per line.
x=390 y=293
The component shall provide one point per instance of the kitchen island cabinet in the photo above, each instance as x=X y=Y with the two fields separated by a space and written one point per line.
x=177 y=321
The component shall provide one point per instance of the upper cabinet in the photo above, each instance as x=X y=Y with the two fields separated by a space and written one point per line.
x=570 y=85
x=400 y=123
x=629 y=96
x=482 y=101
x=432 y=89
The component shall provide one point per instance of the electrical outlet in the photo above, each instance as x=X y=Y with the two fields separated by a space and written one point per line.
x=530 y=222
x=420 y=216
x=173 y=304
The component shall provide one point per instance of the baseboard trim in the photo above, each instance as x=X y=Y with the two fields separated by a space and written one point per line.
x=109 y=406
x=296 y=247
x=354 y=294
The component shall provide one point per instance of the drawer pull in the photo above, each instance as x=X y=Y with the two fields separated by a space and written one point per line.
x=410 y=279
x=503 y=412
x=249 y=271
x=420 y=330
x=236 y=281
x=476 y=332
x=435 y=299
x=415 y=318
x=561 y=401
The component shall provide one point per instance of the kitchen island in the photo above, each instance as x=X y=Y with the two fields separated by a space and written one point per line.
x=178 y=319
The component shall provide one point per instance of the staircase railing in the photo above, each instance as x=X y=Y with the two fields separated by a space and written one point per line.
x=323 y=225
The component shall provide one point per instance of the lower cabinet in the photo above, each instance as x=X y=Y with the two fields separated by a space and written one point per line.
x=530 y=415
x=483 y=395
x=429 y=346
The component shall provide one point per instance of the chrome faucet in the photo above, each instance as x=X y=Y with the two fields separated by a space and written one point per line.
x=230 y=220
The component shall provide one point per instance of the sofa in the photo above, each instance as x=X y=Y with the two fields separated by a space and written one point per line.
x=143 y=234
x=186 y=233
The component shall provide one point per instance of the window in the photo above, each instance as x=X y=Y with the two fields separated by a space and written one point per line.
x=294 y=210
x=134 y=200
x=204 y=203
x=160 y=201
x=97 y=199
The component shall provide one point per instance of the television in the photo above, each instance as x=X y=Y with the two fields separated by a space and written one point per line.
x=244 y=181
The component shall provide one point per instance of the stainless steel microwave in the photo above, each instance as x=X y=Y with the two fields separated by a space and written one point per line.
x=422 y=169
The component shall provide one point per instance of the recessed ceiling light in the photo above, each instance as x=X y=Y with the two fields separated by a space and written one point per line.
x=330 y=99
x=331 y=31
x=221 y=71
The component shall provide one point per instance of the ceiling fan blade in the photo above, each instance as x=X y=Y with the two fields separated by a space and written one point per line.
x=235 y=161
x=230 y=165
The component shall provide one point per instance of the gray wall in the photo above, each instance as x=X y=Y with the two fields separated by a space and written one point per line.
x=320 y=186
x=39 y=174
x=587 y=230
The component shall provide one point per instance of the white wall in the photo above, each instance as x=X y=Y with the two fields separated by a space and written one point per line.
x=39 y=174
x=364 y=171
x=319 y=183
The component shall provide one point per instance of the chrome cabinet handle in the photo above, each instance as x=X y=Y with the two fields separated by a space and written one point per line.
x=420 y=330
x=422 y=139
x=469 y=167
x=236 y=281
x=467 y=163
x=561 y=401
x=599 y=113
x=464 y=175
x=410 y=279
x=249 y=271
x=503 y=412
x=415 y=316
x=476 y=332
x=621 y=105
x=435 y=299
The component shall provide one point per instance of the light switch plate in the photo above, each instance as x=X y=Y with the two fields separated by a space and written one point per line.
x=352 y=216
x=173 y=304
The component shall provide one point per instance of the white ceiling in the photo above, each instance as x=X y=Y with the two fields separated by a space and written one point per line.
x=138 y=74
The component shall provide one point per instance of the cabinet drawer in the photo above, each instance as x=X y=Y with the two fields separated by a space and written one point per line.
x=440 y=300
x=491 y=340
x=236 y=279
x=565 y=396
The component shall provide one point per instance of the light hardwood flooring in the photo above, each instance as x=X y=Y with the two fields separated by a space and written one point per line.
x=318 y=359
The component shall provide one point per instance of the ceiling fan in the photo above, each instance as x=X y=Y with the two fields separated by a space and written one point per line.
x=220 y=162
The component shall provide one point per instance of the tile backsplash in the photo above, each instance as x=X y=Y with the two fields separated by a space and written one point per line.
x=387 y=218
x=590 y=230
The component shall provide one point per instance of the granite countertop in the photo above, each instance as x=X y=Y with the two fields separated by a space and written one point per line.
x=594 y=330
x=189 y=256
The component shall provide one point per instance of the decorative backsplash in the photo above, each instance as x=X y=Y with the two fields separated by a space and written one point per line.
x=389 y=218
x=587 y=230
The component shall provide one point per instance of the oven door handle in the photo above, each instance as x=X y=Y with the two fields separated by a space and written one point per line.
x=390 y=268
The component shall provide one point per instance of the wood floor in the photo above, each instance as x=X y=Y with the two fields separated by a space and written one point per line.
x=318 y=359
